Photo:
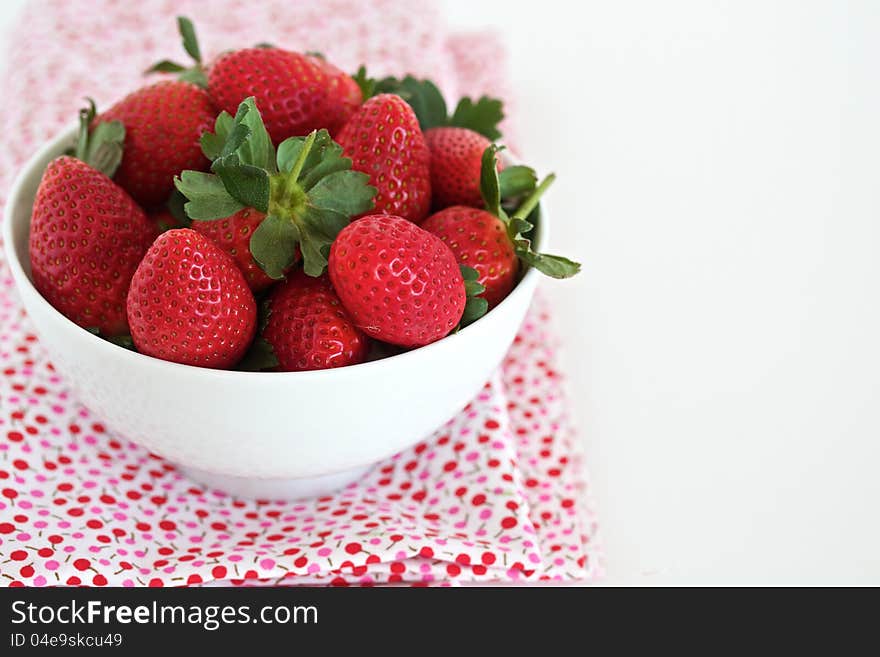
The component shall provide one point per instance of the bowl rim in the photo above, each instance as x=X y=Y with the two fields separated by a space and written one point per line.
x=52 y=146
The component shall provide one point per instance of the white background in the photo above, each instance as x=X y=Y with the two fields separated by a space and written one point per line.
x=719 y=168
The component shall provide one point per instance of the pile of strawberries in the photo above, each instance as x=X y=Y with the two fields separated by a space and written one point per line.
x=268 y=211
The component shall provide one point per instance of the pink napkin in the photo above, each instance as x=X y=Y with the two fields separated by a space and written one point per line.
x=496 y=494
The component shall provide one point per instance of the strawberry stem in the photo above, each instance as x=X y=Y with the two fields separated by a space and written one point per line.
x=303 y=154
x=529 y=204
x=86 y=116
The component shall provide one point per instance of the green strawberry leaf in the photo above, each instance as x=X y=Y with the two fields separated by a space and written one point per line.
x=273 y=245
x=196 y=76
x=517 y=226
x=190 y=42
x=166 y=66
x=482 y=117
x=475 y=306
x=195 y=73
x=244 y=136
x=517 y=180
x=318 y=228
x=247 y=184
x=550 y=265
x=101 y=147
x=346 y=192
x=366 y=84
x=471 y=285
x=490 y=184
x=208 y=196
x=213 y=142
x=260 y=357
x=175 y=205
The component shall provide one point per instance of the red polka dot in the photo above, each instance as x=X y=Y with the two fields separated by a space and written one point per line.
x=18 y=555
x=82 y=564
x=6 y=528
x=99 y=580
x=353 y=548
x=218 y=572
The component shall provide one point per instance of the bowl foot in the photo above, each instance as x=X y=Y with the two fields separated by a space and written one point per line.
x=275 y=489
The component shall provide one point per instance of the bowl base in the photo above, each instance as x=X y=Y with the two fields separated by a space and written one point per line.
x=275 y=489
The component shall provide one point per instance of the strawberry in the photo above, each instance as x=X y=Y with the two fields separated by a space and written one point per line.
x=296 y=93
x=87 y=234
x=479 y=239
x=278 y=204
x=456 y=157
x=233 y=235
x=308 y=329
x=189 y=303
x=384 y=140
x=343 y=87
x=399 y=283
x=491 y=242
x=163 y=123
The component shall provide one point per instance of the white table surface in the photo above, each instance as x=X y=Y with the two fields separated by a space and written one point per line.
x=719 y=176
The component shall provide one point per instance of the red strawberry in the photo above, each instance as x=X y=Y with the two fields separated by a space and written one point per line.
x=87 y=238
x=479 y=240
x=163 y=123
x=189 y=303
x=399 y=283
x=309 y=329
x=384 y=140
x=456 y=157
x=233 y=235
x=295 y=93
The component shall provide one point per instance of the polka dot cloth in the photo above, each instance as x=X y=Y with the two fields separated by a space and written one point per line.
x=496 y=494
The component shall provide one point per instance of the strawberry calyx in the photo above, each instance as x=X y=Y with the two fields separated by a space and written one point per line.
x=482 y=115
x=521 y=222
x=194 y=73
x=101 y=147
x=475 y=306
x=306 y=188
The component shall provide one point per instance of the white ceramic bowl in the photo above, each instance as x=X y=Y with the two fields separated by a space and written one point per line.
x=280 y=435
